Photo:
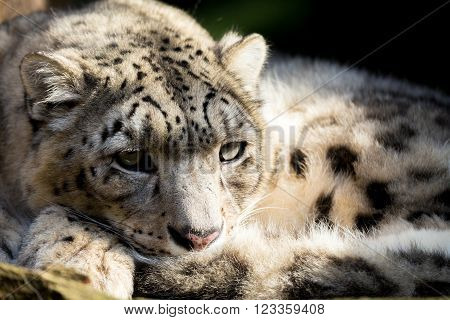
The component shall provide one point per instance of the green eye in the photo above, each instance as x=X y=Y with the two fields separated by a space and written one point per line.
x=232 y=151
x=135 y=161
x=128 y=159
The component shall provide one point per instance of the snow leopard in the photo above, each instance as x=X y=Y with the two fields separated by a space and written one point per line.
x=161 y=163
x=120 y=114
x=355 y=201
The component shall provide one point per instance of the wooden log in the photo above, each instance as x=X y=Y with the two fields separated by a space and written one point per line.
x=55 y=283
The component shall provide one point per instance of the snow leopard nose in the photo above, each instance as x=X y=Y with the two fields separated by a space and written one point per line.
x=194 y=239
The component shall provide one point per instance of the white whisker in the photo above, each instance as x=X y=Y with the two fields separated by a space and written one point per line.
x=255 y=212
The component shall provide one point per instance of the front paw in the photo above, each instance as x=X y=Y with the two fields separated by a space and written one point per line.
x=54 y=238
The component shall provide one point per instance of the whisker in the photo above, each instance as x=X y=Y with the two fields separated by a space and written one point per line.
x=253 y=212
x=253 y=203
x=246 y=211
x=91 y=220
x=147 y=260
x=103 y=226
x=126 y=240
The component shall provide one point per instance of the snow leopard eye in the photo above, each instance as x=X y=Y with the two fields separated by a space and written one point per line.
x=135 y=161
x=232 y=151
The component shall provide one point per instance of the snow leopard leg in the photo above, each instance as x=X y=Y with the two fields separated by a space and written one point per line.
x=320 y=266
x=55 y=238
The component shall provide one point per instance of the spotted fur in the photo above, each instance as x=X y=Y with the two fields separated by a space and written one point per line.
x=330 y=180
x=320 y=264
x=81 y=87
x=357 y=207
x=372 y=152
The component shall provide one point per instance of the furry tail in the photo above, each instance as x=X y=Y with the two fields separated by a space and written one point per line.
x=323 y=264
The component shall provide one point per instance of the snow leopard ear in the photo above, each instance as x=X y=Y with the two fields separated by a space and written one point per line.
x=244 y=57
x=52 y=84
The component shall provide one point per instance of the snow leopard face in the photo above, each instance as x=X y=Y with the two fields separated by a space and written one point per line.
x=151 y=132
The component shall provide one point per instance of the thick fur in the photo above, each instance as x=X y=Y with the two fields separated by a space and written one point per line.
x=357 y=194
x=320 y=264
x=362 y=151
x=56 y=239
x=342 y=189
x=80 y=88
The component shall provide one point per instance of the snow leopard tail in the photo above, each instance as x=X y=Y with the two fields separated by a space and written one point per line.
x=324 y=264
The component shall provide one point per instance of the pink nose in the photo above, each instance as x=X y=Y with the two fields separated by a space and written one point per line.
x=193 y=239
x=200 y=243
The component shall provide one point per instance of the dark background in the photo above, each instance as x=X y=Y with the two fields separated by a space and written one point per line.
x=344 y=31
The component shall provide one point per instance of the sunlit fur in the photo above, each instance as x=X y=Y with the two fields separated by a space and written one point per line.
x=121 y=76
x=356 y=199
x=342 y=190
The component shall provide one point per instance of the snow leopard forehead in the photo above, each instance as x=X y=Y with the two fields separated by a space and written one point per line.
x=157 y=80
